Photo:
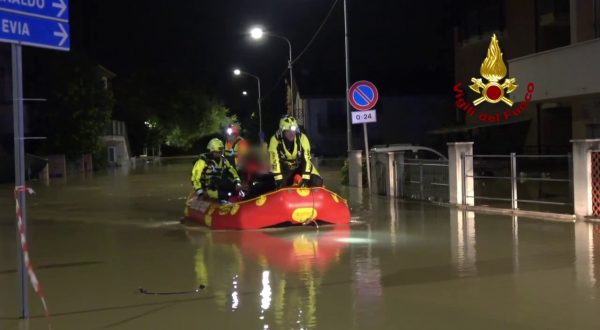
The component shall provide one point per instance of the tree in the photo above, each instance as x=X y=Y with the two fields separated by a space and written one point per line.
x=175 y=114
x=192 y=116
x=78 y=108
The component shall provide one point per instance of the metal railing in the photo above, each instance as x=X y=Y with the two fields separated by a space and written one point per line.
x=423 y=179
x=515 y=178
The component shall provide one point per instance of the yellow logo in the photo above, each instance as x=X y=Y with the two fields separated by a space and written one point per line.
x=261 y=200
x=304 y=214
x=303 y=192
x=493 y=69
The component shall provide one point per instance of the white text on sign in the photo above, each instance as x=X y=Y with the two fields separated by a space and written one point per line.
x=363 y=117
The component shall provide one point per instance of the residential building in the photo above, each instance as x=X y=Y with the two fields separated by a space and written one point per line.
x=553 y=44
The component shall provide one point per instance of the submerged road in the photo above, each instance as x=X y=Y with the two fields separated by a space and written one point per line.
x=401 y=265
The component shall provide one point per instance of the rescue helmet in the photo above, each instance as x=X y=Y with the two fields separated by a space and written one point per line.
x=232 y=130
x=215 y=145
x=288 y=123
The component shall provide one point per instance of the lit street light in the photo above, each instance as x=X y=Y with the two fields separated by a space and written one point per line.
x=244 y=93
x=239 y=72
x=257 y=33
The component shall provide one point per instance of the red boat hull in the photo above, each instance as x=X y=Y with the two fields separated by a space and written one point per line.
x=293 y=206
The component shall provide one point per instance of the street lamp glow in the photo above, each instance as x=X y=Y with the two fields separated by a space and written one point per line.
x=244 y=93
x=256 y=33
x=237 y=72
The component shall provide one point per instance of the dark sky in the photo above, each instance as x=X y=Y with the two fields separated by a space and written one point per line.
x=400 y=45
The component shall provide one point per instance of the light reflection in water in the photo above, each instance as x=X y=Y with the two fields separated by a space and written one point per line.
x=463 y=240
x=235 y=301
x=283 y=260
x=265 y=302
x=587 y=249
x=515 y=237
x=368 y=286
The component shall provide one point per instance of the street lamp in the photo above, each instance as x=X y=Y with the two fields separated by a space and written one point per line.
x=257 y=33
x=244 y=93
x=239 y=72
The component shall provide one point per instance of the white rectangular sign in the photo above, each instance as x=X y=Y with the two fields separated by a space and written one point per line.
x=363 y=117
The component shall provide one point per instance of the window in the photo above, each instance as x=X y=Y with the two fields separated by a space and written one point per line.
x=479 y=19
x=553 y=24
x=112 y=154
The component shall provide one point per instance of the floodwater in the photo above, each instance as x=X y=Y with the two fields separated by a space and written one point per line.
x=96 y=241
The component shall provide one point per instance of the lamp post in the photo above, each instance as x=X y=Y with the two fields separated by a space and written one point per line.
x=239 y=72
x=257 y=33
x=348 y=123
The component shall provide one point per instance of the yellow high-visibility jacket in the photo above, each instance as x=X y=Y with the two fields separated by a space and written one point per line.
x=291 y=159
x=206 y=168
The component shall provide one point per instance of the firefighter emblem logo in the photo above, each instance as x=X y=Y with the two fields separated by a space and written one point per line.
x=493 y=70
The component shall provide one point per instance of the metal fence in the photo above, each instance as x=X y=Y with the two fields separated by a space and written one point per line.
x=422 y=179
x=538 y=182
x=596 y=183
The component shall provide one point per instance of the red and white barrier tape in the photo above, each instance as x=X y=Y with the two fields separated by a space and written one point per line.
x=35 y=283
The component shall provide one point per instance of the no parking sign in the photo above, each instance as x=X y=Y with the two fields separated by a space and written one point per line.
x=363 y=96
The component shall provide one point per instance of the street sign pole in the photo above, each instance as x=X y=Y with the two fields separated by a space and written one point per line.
x=363 y=96
x=17 y=73
x=42 y=24
x=367 y=156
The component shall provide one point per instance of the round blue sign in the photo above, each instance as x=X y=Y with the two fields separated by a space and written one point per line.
x=363 y=95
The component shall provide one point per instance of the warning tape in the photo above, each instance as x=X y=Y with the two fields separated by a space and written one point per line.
x=35 y=283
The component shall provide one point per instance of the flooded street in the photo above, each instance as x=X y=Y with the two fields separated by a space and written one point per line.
x=96 y=241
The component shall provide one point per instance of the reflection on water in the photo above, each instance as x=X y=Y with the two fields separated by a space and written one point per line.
x=300 y=258
x=587 y=249
x=464 y=241
x=515 y=241
x=406 y=265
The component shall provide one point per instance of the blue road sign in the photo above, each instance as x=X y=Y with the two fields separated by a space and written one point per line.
x=363 y=95
x=33 y=31
x=47 y=9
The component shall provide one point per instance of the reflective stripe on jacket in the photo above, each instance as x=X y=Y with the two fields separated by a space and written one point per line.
x=206 y=168
x=299 y=155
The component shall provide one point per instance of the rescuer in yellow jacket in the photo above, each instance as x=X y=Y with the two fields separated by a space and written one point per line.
x=289 y=151
x=213 y=176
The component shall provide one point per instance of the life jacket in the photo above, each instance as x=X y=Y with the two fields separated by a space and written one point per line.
x=213 y=169
x=290 y=158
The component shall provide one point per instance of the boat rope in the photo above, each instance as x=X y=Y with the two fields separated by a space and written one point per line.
x=195 y=291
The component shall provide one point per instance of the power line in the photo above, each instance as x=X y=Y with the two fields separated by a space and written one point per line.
x=317 y=32
x=314 y=37
x=268 y=94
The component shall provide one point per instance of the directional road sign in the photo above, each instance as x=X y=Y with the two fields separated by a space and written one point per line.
x=363 y=95
x=47 y=9
x=38 y=23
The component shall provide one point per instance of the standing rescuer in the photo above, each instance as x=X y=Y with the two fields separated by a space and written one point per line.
x=236 y=146
x=289 y=150
x=213 y=176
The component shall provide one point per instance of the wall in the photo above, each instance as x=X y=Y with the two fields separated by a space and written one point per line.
x=405 y=119
x=574 y=71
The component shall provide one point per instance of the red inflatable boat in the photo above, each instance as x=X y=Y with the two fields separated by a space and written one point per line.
x=293 y=206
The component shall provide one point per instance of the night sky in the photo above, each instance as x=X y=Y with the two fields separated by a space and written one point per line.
x=403 y=46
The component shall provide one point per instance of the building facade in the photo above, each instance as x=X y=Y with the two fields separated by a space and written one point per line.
x=553 y=44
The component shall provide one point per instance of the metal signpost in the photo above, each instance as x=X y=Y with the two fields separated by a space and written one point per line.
x=35 y=23
x=363 y=96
